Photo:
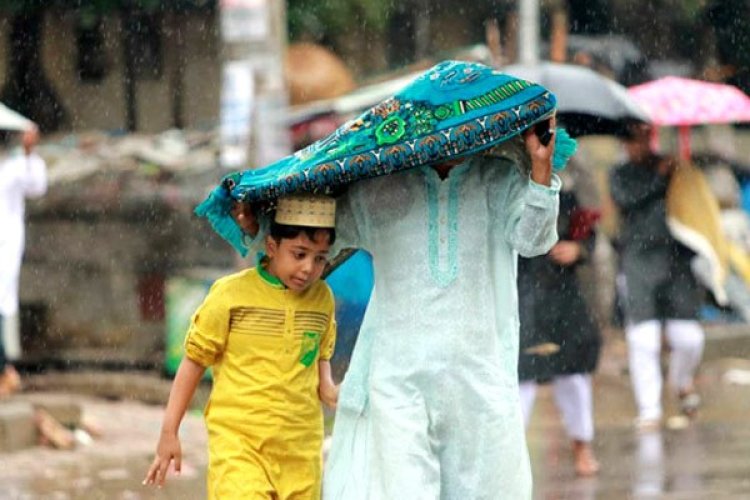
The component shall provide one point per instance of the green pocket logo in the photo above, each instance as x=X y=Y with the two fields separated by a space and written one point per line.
x=310 y=348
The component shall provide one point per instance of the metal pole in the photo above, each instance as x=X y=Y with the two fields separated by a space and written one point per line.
x=528 y=33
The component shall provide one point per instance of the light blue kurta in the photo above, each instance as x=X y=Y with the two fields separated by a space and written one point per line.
x=429 y=407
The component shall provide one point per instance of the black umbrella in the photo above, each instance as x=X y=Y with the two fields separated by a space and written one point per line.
x=587 y=103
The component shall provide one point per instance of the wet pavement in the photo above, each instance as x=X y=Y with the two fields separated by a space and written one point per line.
x=111 y=467
x=705 y=461
x=709 y=459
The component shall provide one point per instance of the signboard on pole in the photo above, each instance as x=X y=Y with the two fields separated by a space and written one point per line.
x=244 y=20
x=237 y=97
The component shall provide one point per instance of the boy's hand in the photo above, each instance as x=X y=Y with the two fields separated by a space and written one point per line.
x=167 y=450
x=329 y=394
x=541 y=155
x=245 y=217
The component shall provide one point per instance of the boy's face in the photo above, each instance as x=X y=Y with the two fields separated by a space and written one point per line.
x=298 y=262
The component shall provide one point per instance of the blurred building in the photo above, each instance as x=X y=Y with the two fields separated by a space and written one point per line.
x=115 y=227
x=167 y=60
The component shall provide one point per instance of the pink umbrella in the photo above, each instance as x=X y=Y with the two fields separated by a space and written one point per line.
x=683 y=102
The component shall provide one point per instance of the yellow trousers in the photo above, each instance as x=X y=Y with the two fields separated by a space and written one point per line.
x=274 y=467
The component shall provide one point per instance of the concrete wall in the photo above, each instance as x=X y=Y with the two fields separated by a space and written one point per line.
x=85 y=274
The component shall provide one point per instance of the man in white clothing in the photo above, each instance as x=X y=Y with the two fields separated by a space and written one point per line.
x=22 y=176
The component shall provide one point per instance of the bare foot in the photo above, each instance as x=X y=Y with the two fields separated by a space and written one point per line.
x=585 y=461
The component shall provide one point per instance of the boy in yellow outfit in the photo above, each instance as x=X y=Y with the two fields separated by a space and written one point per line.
x=269 y=333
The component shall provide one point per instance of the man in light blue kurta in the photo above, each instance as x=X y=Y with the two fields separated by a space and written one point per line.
x=429 y=407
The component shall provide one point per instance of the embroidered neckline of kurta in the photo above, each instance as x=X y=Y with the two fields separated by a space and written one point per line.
x=268 y=277
x=442 y=221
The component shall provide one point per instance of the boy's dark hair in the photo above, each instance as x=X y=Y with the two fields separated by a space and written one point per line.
x=283 y=231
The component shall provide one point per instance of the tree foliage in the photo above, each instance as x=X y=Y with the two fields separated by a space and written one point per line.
x=729 y=21
x=321 y=20
x=592 y=17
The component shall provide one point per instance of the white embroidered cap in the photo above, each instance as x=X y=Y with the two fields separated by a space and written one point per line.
x=306 y=210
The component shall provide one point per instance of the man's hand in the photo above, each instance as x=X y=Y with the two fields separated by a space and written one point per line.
x=565 y=253
x=245 y=217
x=167 y=450
x=541 y=155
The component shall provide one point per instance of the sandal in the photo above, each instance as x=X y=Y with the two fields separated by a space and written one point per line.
x=689 y=404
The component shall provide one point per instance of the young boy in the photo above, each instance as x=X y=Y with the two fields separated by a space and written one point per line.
x=269 y=333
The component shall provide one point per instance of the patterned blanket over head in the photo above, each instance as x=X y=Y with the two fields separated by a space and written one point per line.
x=453 y=110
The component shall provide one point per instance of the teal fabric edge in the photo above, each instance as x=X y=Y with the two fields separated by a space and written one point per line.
x=565 y=148
x=217 y=209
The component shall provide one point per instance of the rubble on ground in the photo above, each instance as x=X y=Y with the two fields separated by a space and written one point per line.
x=92 y=172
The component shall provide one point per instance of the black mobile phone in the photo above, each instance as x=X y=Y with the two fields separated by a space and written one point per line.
x=543 y=132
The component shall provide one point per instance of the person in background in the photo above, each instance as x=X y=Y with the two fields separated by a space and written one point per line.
x=560 y=340
x=659 y=286
x=22 y=176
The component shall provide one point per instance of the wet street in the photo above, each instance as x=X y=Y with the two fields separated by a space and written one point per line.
x=111 y=467
x=708 y=460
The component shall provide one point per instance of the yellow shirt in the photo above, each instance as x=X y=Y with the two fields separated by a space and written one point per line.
x=264 y=342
